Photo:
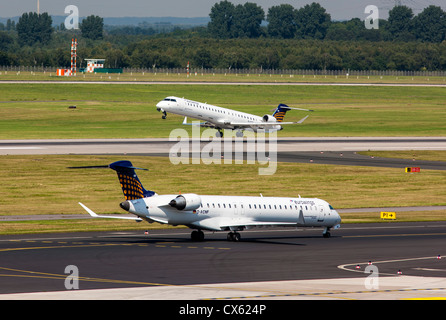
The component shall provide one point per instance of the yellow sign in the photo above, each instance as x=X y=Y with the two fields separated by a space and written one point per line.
x=388 y=215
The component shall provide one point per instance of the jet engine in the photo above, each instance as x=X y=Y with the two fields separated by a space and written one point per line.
x=268 y=118
x=186 y=202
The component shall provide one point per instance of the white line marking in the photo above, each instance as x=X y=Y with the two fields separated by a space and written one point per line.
x=21 y=148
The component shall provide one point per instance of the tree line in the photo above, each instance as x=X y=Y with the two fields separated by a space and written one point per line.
x=313 y=22
x=304 y=38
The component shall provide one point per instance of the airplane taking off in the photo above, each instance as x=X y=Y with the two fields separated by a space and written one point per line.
x=222 y=118
x=218 y=213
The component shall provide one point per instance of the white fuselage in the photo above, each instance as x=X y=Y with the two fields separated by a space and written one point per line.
x=221 y=118
x=238 y=212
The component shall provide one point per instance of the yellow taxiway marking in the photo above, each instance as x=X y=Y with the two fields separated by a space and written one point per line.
x=44 y=275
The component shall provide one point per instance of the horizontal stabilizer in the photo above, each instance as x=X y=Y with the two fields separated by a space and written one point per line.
x=94 y=215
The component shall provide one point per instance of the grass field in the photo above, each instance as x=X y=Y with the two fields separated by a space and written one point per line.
x=215 y=77
x=44 y=185
x=40 y=111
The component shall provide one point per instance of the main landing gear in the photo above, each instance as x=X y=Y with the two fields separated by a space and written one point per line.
x=198 y=235
x=219 y=134
x=233 y=236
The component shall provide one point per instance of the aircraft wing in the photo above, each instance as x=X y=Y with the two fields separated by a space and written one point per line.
x=264 y=124
x=232 y=223
x=257 y=224
x=94 y=215
x=200 y=124
x=241 y=124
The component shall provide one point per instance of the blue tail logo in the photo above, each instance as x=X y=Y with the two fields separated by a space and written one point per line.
x=279 y=114
x=130 y=184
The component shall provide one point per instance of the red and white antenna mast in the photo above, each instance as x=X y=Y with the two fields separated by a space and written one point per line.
x=73 y=56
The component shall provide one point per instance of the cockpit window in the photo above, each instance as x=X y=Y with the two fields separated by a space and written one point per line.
x=173 y=100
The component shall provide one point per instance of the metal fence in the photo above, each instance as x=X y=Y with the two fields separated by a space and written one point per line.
x=208 y=71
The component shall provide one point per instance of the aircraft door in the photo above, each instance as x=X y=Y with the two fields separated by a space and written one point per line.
x=238 y=209
x=321 y=214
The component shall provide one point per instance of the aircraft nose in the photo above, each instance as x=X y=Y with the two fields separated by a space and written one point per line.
x=338 y=217
x=162 y=105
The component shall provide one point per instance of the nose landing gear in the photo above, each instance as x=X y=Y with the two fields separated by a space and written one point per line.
x=326 y=233
x=164 y=116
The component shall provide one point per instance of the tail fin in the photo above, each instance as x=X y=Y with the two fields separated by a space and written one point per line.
x=279 y=114
x=131 y=186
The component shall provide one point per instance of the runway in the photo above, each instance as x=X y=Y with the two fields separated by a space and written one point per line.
x=266 y=264
x=324 y=150
x=163 y=145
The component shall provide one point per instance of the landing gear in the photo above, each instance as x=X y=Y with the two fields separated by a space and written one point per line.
x=326 y=233
x=164 y=113
x=239 y=134
x=233 y=236
x=197 y=235
x=219 y=134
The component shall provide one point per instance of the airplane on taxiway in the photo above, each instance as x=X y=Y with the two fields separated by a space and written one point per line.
x=223 y=118
x=218 y=213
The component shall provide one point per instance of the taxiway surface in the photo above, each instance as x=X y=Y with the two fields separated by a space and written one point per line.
x=168 y=258
x=271 y=264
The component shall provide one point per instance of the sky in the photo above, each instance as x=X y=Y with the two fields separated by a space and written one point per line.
x=338 y=9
